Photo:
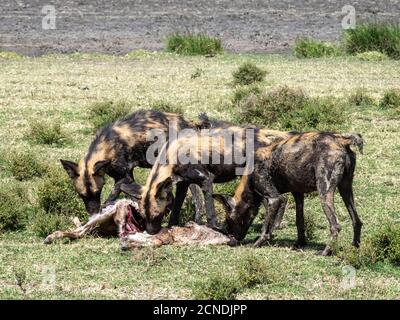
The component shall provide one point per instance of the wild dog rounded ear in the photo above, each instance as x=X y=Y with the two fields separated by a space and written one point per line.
x=134 y=190
x=228 y=202
x=100 y=166
x=71 y=168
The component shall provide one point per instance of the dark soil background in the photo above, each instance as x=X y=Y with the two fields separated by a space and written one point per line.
x=117 y=27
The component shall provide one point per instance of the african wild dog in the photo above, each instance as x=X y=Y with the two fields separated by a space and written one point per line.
x=156 y=195
x=124 y=219
x=305 y=162
x=116 y=150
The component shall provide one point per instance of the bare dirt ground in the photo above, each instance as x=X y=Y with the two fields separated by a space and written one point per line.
x=117 y=27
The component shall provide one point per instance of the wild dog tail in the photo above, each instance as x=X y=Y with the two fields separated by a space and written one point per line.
x=354 y=139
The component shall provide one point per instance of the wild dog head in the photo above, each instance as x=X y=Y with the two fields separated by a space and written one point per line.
x=154 y=202
x=241 y=209
x=88 y=179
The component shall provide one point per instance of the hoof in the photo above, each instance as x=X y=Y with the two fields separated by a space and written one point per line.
x=48 y=240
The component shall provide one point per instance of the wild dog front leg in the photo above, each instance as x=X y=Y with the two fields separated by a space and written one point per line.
x=279 y=215
x=94 y=222
x=274 y=203
x=207 y=187
x=181 y=191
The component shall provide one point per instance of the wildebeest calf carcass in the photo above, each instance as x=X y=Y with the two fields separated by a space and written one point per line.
x=123 y=219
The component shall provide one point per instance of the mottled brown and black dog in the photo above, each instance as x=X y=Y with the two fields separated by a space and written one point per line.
x=305 y=162
x=116 y=150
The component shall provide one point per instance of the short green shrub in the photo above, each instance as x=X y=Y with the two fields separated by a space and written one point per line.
x=106 y=112
x=381 y=245
x=49 y=133
x=241 y=93
x=25 y=165
x=14 y=208
x=390 y=99
x=312 y=48
x=193 y=44
x=217 y=287
x=10 y=55
x=384 y=38
x=45 y=223
x=289 y=109
x=248 y=73
x=310 y=225
x=360 y=97
x=372 y=56
x=56 y=195
x=253 y=270
x=166 y=107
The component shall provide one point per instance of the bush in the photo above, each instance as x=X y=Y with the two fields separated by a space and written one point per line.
x=193 y=44
x=106 y=112
x=361 y=98
x=49 y=133
x=390 y=99
x=166 y=107
x=383 y=38
x=253 y=271
x=381 y=245
x=310 y=225
x=10 y=55
x=312 y=48
x=25 y=166
x=56 y=195
x=45 y=223
x=289 y=109
x=372 y=56
x=217 y=287
x=241 y=93
x=248 y=73
x=14 y=208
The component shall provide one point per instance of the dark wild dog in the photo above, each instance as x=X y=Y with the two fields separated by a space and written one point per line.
x=156 y=195
x=305 y=162
x=116 y=150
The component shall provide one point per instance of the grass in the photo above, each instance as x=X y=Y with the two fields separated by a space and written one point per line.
x=193 y=44
x=46 y=132
x=313 y=48
x=49 y=88
x=384 y=38
x=25 y=165
x=105 y=112
x=390 y=99
x=288 y=109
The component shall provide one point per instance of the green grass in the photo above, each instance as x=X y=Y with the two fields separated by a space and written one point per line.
x=193 y=44
x=384 y=38
x=313 y=48
x=105 y=112
x=50 y=88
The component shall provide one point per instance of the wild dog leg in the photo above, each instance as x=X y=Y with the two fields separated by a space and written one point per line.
x=346 y=192
x=207 y=187
x=301 y=237
x=274 y=203
x=279 y=215
x=198 y=202
x=181 y=192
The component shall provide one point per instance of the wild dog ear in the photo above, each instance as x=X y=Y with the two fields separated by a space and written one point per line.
x=164 y=188
x=71 y=168
x=133 y=189
x=100 y=165
x=229 y=203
